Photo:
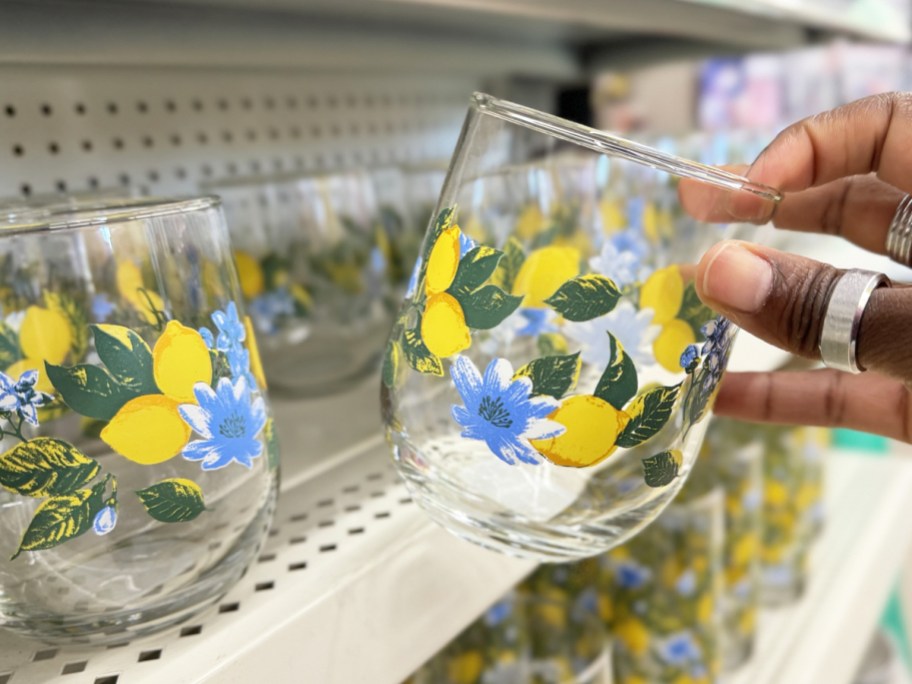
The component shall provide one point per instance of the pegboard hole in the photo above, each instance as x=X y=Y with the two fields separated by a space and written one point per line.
x=5 y=677
x=326 y=523
x=264 y=586
x=18 y=150
x=75 y=667
x=112 y=108
x=381 y=515
x=356 y=530
x=192 y=630
x=146 y=656
x=352 y=508
x=87 y=145
x=297 y=540
x=326 y=548
x=324 y=503
x=107 y=679
x=298 y=517
x=297 y=566
x=53 y=148
x=266 y=557
x=229 y=607
x=44 y=654
x=46 y=109
x=142 y=107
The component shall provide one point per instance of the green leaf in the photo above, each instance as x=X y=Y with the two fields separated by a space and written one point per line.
x=618 y=383
x=62 y=518
x=75 y=314
x=173 y=500
x=126 y=356
x=648 y=414
x=585 y=297
x=9 y=346
x=551 y=344
x=552 y=375
x=271 y=438
x=694 y=312
x=390 y=368
x=474 y=269
x=419 y=356
x=89 y=390
x=661 y=469
x=275 y=271
x=488 y=307
x=510 y=263
x=45 y=466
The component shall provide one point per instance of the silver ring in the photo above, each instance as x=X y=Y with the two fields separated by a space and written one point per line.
x=839 y=337
x=899 y=237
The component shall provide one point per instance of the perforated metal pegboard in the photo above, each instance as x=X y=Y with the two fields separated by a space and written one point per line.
x=161 y=131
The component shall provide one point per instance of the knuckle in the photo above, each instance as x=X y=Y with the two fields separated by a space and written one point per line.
x=803 y=294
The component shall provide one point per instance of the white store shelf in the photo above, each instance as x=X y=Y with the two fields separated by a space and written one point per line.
x=823 y=637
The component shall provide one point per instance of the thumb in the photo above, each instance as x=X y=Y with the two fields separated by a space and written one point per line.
x=782 y=299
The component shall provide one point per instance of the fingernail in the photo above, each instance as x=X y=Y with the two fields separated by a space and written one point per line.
x=737 y=279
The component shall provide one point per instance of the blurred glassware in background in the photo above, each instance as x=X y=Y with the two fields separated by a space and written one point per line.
x=140 y=470
x=401 y=228
x=534 y=635
x=547 y=383
x=786 y=543
x=732 y=458
x=666 y=588
x=313 y=258
x=423 y=183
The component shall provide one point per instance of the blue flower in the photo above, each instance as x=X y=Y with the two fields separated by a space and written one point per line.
x=105 y=520
x=229 y=422
x=501 y=411
x=690 y=358
x=538 y=322
x=781 y=575
x=751 y=500
x=102 y=308
x=206 y=334
x=239 y=365
x=680 y=649
x=231 y=331
x=686 y=584
x=632 y=328
x=497 y=613
x=630 y=241
x=21 y=397
x=270 y=308
x=631 y=575
x=719 y=336
x=636 y=206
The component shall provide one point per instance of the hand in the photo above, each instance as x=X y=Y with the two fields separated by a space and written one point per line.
x=842 y=172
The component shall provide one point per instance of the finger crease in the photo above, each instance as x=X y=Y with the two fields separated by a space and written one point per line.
x=878 y=146
x=834 y=400
x=768 y=397
x=904 y=408
x=835 y=224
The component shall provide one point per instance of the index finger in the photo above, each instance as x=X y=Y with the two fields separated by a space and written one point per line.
x=869 y=135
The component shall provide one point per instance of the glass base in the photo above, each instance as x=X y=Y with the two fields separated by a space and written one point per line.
x=154 y=616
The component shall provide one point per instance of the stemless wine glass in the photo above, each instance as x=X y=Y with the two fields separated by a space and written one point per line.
x=313 y=256
x=139 y=464
x=546 y=386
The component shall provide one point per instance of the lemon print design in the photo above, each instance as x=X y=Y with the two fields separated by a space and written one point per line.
x=672 y=340
x=131 y=287
x=592 y=427
x=250 y=275
x=443 y=326
x=543 y=272
x=663 y=292
x=147 y=430
x=180 y=359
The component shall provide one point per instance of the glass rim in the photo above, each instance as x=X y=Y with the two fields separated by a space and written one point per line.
x=76 y=213
x=616 y=146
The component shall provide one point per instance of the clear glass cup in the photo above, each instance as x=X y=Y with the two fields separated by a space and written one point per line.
x=786 y=542
x=139 y=469
x=814 y=442
x=732 y=458
x=313 y=257
x=546 y=387
x=665 y=587
x=400 y=227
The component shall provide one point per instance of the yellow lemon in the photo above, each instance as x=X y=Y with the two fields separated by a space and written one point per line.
x=465 y=668
x=22 y=365
x=443 y=327
x=671 y=343
x=705 y=609
x=634 y=635
x=300 y=294
x=45 y=334
x=443 y=261
x=748 y=621
x=250 y=275
x=530 y=222
x=256 y=363
x=651 y=222
x=663 y=292
x=744 y=550
x=180 y=359
x=129 y=279
x=592 y=426
x=544 y=271
x=634 y=679
x=147 y=430
x=775 y=493
x=605 y=608
x=612 y=216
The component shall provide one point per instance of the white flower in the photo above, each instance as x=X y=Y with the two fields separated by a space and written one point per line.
x=632 y=328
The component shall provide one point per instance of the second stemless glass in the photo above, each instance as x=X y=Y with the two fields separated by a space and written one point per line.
x=547 y=382
x=138 y=466
x=313 y=259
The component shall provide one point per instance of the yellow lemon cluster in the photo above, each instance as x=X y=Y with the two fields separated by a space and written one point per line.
x=663 y=292
x=45 y=335
x=149 y=429
x=250 y=275
x=443 y=326
x=130 y=285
